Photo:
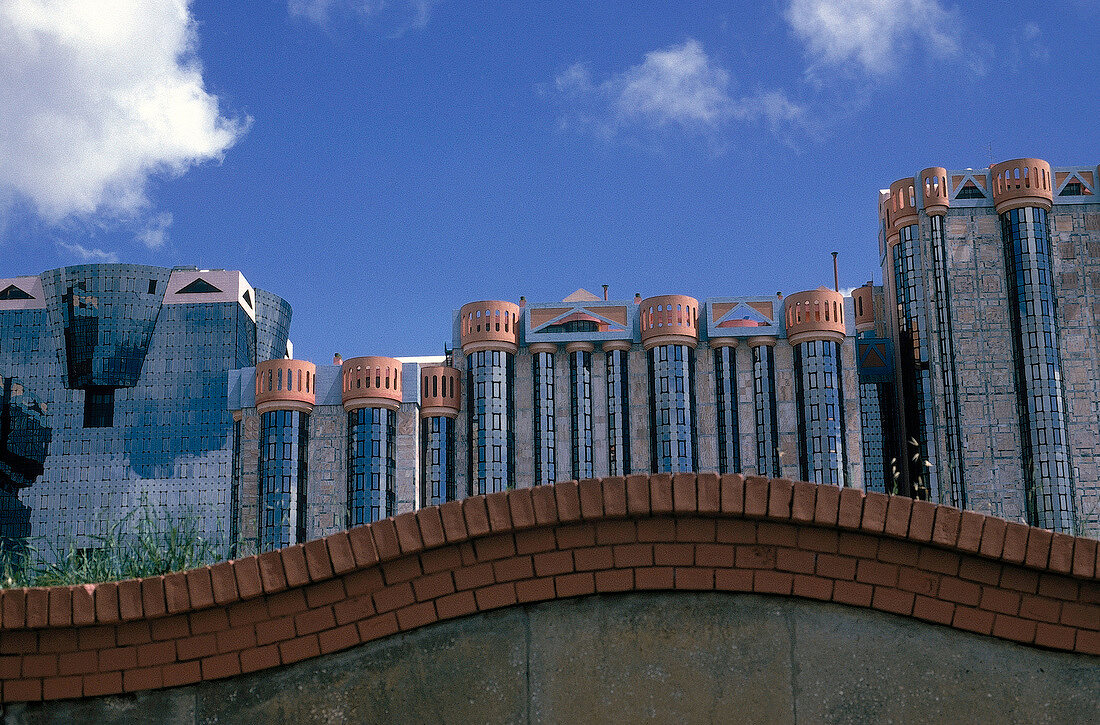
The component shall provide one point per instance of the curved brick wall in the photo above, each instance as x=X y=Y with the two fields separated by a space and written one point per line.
x=640 y=533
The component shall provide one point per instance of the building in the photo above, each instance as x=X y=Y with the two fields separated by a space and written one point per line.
x=992 y=283
x=113 y=395
x=534 y=393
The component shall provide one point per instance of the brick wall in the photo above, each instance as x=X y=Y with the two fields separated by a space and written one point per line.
x=692 y=532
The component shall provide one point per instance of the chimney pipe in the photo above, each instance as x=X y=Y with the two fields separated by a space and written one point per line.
x=605 y=293
x=836 y=274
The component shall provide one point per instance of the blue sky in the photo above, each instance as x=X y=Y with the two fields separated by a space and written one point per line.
x=380 y=163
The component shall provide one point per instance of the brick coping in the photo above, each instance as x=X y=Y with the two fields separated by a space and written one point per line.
x=697 y=532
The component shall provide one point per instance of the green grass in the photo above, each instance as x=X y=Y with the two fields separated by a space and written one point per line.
x=145 y=542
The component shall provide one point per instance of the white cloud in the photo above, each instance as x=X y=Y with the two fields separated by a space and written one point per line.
x=678 y=86
x=155 y=233
x=871 y=33
x=99 y=96
x=403 y=15
x=89 y=255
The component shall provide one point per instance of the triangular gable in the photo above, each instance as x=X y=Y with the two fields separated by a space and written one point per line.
x=582 y=295
x=544 y=317
x=199 y=287
x=764 y=308
x=873 y=356
x=11 y=292
x=744 y=311
x=968 y=185
x=1084 y=179
x=247 y=296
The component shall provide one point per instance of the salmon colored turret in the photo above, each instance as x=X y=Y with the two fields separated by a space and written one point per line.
x=814 y=315
x=371 y=382
x=935 y=193
x=900 y=208
x=489 y=325
x=863 y=299
x=669 y=320
x=440 y=391
x=285 y=385
x=1021 y=182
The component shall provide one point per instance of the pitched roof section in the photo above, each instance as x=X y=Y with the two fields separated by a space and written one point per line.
x=582 y=295
x=11 y=292
x=199 y=287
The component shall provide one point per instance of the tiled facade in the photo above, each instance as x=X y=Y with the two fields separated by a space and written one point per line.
x=999 y=271
x=115 y=379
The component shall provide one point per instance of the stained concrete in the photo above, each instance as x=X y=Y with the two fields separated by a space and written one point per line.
x=655 y=657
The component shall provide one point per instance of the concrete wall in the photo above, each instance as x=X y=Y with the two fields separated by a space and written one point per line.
x=665 y=657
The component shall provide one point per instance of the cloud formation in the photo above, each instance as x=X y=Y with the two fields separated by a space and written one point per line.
x=679 y=86
x=872 y=34
x=89 y=255
x=98 y=97
x=403 y=15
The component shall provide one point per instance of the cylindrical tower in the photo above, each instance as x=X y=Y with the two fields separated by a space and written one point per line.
x=440 y=401
x=877 y=429
x=725 y=378
x=371 y=393
x=580 y=407
x=489 y=333
x=284 y=400
x=815 y=329
x=936 y=200
x=901 y=217
x=765 y=408
x=618 y=410
x=542 y=363
x=863 y=300
x=670 y=332
x=1022 y=195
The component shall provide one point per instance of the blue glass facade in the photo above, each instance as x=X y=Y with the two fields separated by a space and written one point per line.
x=941 y=298
x=729 y=440
x=284 y=453
x=618 y=420
x=672 y=409
x=580 y=408
x=131 y=377
x=490 y=382
x=545 y=435
x=820 y=406
x=437 y=460
x=372 y=465
x=765 y=410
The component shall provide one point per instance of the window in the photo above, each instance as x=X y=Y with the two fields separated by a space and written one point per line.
x=99 y=407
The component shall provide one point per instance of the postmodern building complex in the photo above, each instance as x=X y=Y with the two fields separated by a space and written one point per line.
x=114 y=390
x=971 y=376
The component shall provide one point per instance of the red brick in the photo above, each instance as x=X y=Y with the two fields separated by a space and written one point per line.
x=572 y=585
x=166 y=628
x=776 y=534
x=395 y=597
x=22 y=690
x=847 y=592
x=802 y=501
x=384 y=533
x=874 y=511
x=479 y=575
x=234 y=640
x=298 y=649
x=1054 y=636
x=175 y=593
x=416 y=615
x=1040 y=608
x=733 y=580
x=695 y=529
x=654 y=577
x=589 y=559
x=712 y=555
x=1090 y=592
x=521 y=508
x=893 y=600
x=876 y=572
x=289 y=602
x=685 y=498
x=334 y=639
x=735 y=531
x=591 y=496
x=1059 y=587
x=694 y=578
x=61 y=606
x=271 y=571
x=851 y=508
x=1061 y=553
x=616 y=580
x=1014 y=628
x=980 y=570
x=993 y=537
x=660 y=493
x=15 y=606
x=78 y=663
x=224 y=665
x=1088 y=642
x=400 y=570
x=144 y=679
x=708 y=493
x=756 y=496
x=861 y=545
x=772 y=582
x=813 y=587
x=1084 y=616
x=827 y=505
x=957 y=590
x=657 y=529
x=546 y=507
x=1015 y=548
x=274 y=630
x=999 y=600
x=616 y=532
x=917 y=581
x=673 y=554
x=898 y=509
x=780 y=492
x=816 y=539
x=921 y=520
x=101 y=637
x=58 y=640
x=575 y=535
x=318 y=562
x=339 y=549
x=568 y=501
x=294 y=564
x=362 y=545
x=175 y=675
x=327 y=592
x=632 y=555
x=937 y=560
x=1037 y=553
x=732 y=493
x=444 y=559
x=536 y=541
x=133 y=633
x=105 y=683
x=535 y=590
x=755 y=557
x=433 y=585
x=223 y=583
x=973 y=620
x=38 y=608
x=495 y=596
x=795 y=560
x=456 y=605
x=62 y=688
x=945 y=532
x=836 y=567
x=314 y=620
x=192 y=648
x=354 y=609
x=156 y=653
x=38 y=665
x=208 y=620
x=898 y=552
x=500 y=519
x=614 y=496
x=1084 y=560
x=106 y=603
x=247 y=574
x=1021 y=580
x=970 y=531
x=553 y=562
x=933 y=610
